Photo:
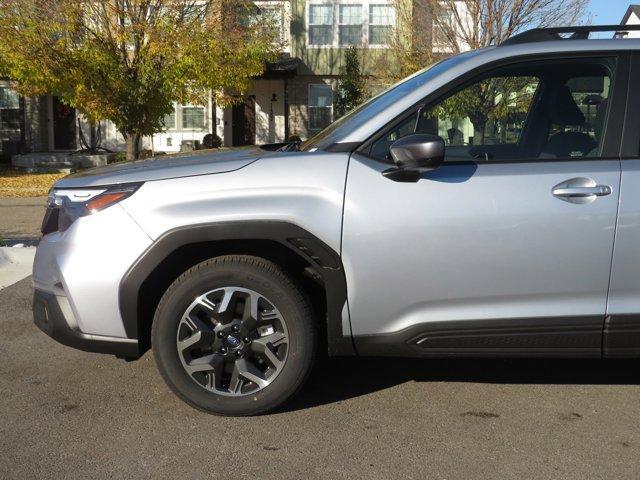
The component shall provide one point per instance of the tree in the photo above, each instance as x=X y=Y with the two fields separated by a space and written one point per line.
x=351 y=90
x=428 y=30
x=127 y=61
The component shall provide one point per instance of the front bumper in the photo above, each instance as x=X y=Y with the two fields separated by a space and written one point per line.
x=84 y=265
x=49 y=316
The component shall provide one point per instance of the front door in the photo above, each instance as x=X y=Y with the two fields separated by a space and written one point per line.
x=64 y=125
x=507 y=247
x=243 y=121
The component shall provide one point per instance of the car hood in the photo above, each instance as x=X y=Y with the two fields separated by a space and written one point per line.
x=162 y=168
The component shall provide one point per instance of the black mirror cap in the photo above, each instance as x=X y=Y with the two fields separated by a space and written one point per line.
x=419 y=151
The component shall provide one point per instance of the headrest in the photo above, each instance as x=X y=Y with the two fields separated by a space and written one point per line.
x=564 y=110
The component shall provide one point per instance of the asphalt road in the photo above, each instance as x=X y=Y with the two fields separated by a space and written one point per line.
x=21 y=217
x=66 y=414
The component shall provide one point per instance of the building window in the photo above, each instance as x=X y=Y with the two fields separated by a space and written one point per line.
x=320 y=24
x=382 y=18
x=441 y=27
x=169 y=120
x=342 y=23
x=186 y=117
x=9 y=115
x=350 y=25
x=320 y=106
x=276 y=14
x=193 y=117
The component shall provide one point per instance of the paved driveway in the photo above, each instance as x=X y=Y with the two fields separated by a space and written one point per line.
x=68 y=414
x=21 y=217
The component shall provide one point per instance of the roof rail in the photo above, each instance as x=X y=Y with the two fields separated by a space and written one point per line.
x=577 y=33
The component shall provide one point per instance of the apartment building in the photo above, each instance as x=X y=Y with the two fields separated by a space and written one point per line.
x=294 y=96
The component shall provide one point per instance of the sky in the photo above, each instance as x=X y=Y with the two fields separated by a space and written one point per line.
x=609 y=12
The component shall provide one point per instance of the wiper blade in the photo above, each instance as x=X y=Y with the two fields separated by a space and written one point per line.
x=282 y=147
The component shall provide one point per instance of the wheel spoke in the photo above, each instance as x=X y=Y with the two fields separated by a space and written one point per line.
x=225 y=310
x=244 y=370
x=207 y=304
x=203 y=334
x=266 y=345
x=250 y=314
x=275 y=339
x=209 y=363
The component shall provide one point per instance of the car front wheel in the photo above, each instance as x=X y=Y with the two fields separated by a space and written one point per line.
x=234 y=335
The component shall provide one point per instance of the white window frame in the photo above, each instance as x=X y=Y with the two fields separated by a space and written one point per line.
x=368 y=26
x=178 y=123
x=309 y=106
x=204 y=117
x=463 y=12
x=174 y=127
x=285 y=12
x=309 y=25
x=336 y=22
x=340 y=24
x=7 y=134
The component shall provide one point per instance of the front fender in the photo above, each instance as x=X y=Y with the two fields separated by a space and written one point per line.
x=314 y=251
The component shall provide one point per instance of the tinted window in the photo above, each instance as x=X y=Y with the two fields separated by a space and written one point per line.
x=528 y=111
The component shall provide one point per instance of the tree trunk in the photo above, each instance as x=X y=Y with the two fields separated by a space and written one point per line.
x=479 y=123
x=93 y=137
x=133 y=146
x=478 y=134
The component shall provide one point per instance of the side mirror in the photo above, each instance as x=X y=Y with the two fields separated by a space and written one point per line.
x=419 y=151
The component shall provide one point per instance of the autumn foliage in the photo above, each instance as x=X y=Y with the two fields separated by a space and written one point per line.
x=127 y=61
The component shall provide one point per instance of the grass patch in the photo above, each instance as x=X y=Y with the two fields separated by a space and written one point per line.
x=14 y=183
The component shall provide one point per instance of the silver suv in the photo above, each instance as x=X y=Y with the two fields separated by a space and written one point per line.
x=486 y=206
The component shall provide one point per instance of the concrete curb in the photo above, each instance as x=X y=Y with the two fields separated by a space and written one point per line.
x=15 y=264
x=4 y=258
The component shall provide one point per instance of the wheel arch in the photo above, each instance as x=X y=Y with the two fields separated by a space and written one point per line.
x=287 y=244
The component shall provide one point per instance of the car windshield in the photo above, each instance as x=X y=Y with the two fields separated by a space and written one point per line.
x=354 y=119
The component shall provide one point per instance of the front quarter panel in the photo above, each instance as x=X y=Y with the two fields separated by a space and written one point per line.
x=305 y=189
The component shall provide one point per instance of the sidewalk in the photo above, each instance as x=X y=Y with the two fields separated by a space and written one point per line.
x=15 y=264
x=21 y=217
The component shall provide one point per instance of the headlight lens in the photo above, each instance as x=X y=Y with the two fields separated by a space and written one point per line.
x=72 y=204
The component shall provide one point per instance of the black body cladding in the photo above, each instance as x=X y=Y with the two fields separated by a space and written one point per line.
x=326 y=261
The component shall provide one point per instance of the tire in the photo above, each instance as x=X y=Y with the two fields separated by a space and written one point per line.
x=203 y=315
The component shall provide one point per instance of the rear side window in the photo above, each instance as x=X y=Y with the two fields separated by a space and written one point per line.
x=536 y=110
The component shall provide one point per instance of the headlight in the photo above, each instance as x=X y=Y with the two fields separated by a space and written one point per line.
x=65 y=206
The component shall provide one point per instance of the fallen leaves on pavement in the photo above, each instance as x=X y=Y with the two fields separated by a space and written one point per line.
x=20 y=184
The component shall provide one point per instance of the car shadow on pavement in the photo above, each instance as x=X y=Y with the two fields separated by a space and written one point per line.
x=337 y=379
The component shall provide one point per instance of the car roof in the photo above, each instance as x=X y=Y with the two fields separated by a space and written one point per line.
x=462 y=63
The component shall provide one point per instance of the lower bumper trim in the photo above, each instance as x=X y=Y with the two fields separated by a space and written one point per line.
x=48 y=317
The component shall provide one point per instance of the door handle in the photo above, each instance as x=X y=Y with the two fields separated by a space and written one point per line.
x=598 y=191
x=580 y=190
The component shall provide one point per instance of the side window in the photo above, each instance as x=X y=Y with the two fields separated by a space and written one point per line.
x=486 y=119
x=490 y=113
x=554 y=109
x=578 y=116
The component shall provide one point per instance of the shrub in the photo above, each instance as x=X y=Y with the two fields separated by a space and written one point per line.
x=211 y=140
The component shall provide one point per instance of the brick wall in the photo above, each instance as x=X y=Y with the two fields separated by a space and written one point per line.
x=298 y=96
